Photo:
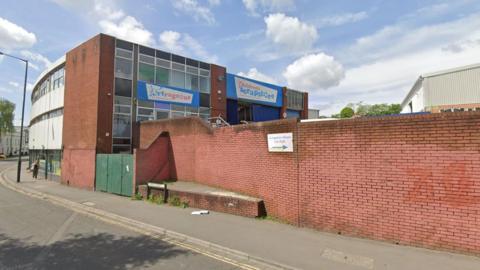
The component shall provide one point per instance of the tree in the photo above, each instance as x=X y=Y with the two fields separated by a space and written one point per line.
x=7 y=109
x=347 y=112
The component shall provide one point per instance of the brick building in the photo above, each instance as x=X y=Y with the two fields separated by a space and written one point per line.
x=92 y=99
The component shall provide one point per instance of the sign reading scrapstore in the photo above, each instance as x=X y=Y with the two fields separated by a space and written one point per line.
x=254 y=91
x=167 y=94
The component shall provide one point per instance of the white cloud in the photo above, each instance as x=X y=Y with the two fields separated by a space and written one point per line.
x=214 y=2
x=13 y=36
x=183 y=43
x=341 y=19
x=14 y=84
x=253 y=73
x=290 y=33
x=255 y=6
x=36 y=58
x=194 y=9
x=127 y=28
x=314 y=72
x=111 y=19
x=404 y=37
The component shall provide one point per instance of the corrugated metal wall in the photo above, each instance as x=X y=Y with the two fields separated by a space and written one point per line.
x=462 y=87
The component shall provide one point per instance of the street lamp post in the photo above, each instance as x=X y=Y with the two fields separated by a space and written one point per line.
x=19 y=167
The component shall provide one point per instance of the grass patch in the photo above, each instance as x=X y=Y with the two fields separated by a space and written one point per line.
x=137 y=197
x=157 y=199
x=176 y=201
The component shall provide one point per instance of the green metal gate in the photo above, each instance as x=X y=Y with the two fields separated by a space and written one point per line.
x=114 y=173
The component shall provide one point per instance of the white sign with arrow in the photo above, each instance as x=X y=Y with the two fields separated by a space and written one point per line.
x=280 y=142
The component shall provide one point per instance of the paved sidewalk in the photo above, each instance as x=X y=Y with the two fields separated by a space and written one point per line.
x=297 y=247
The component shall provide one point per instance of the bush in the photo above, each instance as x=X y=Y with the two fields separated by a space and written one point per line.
x=346 y=112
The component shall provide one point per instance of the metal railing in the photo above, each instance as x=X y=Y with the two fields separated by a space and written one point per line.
x=218 y=122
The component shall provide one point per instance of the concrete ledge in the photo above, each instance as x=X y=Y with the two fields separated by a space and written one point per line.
x=215 y=201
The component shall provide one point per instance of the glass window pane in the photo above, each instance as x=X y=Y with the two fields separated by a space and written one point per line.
x=205 y=84
x=191 y=109
x=192 y=70
x=122 y=109
x=123 y=87
x=146 y=104
x=121 y=149
x=204 y=100
x=162 y=76
x=123 y=100
x=160 y=105
x=162 y=114
x=147 y=59
x=146 y=73
x=123 y=68
x=178 y=114
x=145 y=111
x=163 y=63
x=204 y=72
x=179 y=108
x=191 y=82
x=124 y=53
x=178 y=66
x=121 y=125
x=144 y=118
x=178 y=79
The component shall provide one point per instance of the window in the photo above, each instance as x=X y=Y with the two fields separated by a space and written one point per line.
x=294 y=100
x=146 y=73
x=162 y=114
x=204 y=100
x=178 y=79
x=124 y=53
x=123 y=68
x=144 y=114
x=204 y=84
x=191 y=82
x=121 y=125
x=162 y=76
x=121 y=149
x=123 y=87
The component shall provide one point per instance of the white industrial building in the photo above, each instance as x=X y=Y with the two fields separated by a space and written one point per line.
x=46 y=118
x=456 y=89
x=10 y=142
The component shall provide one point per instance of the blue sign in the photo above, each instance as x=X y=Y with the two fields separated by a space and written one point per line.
x=167 y=94
x=254 y=91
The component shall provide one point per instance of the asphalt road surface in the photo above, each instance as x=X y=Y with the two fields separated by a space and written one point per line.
x=35 y=234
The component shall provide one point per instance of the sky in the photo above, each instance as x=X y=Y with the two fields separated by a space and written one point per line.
x=340 y=52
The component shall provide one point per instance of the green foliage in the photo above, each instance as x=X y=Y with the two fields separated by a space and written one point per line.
x=7 y=110
x=347 y=112
x=157 y=199
x=362 y=109
x=174 y=201
x=378 y=109
x=137 y=197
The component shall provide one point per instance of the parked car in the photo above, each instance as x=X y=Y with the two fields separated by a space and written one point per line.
x=2 y=156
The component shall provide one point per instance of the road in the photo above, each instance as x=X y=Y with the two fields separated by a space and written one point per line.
x=35 y=234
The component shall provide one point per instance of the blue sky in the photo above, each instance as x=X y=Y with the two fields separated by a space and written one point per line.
x=338 y=51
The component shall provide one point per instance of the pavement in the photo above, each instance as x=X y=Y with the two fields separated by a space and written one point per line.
x=36 y=234
x=246 y=241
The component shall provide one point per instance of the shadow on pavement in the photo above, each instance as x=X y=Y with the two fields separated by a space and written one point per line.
x=101 y=251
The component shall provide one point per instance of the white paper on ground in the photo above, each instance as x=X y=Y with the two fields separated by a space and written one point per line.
x=200 y=212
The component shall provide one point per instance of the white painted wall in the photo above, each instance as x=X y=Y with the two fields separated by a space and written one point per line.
x=418 y=102
x=46 y=134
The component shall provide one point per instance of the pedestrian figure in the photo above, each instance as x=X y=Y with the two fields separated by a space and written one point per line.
x=36 y=166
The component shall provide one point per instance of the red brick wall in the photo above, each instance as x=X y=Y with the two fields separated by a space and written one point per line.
x=408 y=179
x=152 y=164
x=218 y=93
x=87 y=116
x=78 y=168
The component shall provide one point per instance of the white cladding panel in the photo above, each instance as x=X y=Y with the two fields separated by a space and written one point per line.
x=50 y=101
x=46 y=134
x=460 y=87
